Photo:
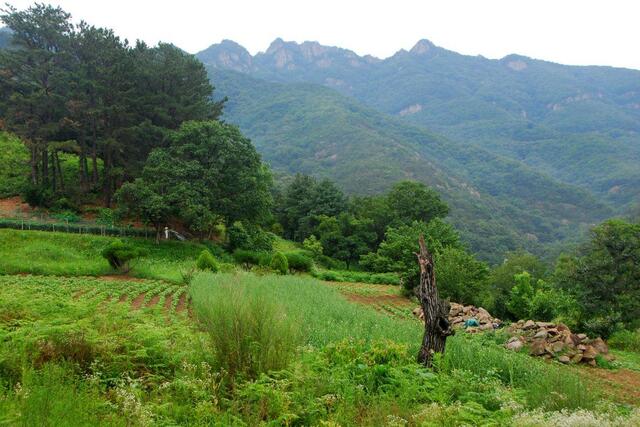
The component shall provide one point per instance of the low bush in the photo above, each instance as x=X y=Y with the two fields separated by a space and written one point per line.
x=250 y=258
x=625 y=340
x=206 y=261
x=119 y=254
x=299 y=260
x=279 y=263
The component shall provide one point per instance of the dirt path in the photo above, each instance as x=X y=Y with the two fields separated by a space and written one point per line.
x=622 y=384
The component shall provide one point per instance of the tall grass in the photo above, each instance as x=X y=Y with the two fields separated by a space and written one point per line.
x=546 y=385
x=320 y=314
x=250 y=334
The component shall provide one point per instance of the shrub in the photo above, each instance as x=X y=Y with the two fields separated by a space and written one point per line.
x=119 y=254
x=249 y=237
x=206 y=261
x=66 y=216
x=299 y=260
x=602 y=326
x=625 y=340
x=107 y=217
x=249 y=258
x=279 y=263
x=312 y=245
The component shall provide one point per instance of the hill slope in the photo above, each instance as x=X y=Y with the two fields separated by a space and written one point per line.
x=498 y=203
x=565 y=121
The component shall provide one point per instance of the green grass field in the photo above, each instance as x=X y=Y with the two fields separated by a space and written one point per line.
x=240 y=349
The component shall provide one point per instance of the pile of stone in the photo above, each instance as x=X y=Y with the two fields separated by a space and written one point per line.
x=542 y=339
x=555 y=340
x=459 y=315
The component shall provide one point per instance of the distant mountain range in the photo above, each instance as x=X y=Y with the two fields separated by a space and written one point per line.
x=527 y=152
x=579 y=125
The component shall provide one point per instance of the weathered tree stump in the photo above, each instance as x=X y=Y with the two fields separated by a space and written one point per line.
x=436 y=311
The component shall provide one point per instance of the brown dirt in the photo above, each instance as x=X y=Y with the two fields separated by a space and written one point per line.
x=120 y=278
x=13 y=206
x=168 y=301
x=621 y=384
x=182 y=303
x=81 y=292
x=137 y=302
x=153 y=301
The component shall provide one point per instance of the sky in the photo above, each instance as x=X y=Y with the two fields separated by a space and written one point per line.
x=579 y=32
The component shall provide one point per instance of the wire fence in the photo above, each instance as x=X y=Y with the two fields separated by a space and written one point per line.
x=67 y=227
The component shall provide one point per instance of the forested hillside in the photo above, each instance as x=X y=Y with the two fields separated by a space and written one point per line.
x=5 y=36
x=499 y=204
x=561 y=120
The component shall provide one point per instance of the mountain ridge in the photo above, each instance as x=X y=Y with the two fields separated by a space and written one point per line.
x=530 y=110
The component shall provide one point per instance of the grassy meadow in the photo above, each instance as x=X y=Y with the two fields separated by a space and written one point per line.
x=81 y=346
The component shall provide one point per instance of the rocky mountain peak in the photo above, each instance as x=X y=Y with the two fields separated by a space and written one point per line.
x=422 y=47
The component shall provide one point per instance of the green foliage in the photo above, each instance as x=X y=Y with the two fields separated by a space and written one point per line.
x=312 y=245
x=103 y=101
x=413 y=201
x=107 y=217
x=357 y=276
x=344 y=237
x=462 y=278
x=249 y=335
x=67 y=254
x=605 y=276
x=521 y=298
x=206 y=261
x=14 y=166
x=498 y=204
x=303 y=201
x=118 y=254
x=625 y=340
x=502 y=278
x=279 y=263
x=243 y=256
x=66 y=216
x=397 y=252
x=249 y=237
x=545 y=386
x=299 y=260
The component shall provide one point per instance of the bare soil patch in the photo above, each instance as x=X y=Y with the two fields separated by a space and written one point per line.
x=120 y=278
x=14 y=206
x=182 y=303
x=622 y=384
x=168 y=302
x=137 y=301
x=153 y=301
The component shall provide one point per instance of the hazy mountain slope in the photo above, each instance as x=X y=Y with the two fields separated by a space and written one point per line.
x=533 y=111
x=5 y=36
x=498 y=203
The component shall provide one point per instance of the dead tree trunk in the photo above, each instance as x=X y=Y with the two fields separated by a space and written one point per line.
x=436 y=311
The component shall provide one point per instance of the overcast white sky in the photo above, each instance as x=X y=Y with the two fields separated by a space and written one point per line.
x=581 y=32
